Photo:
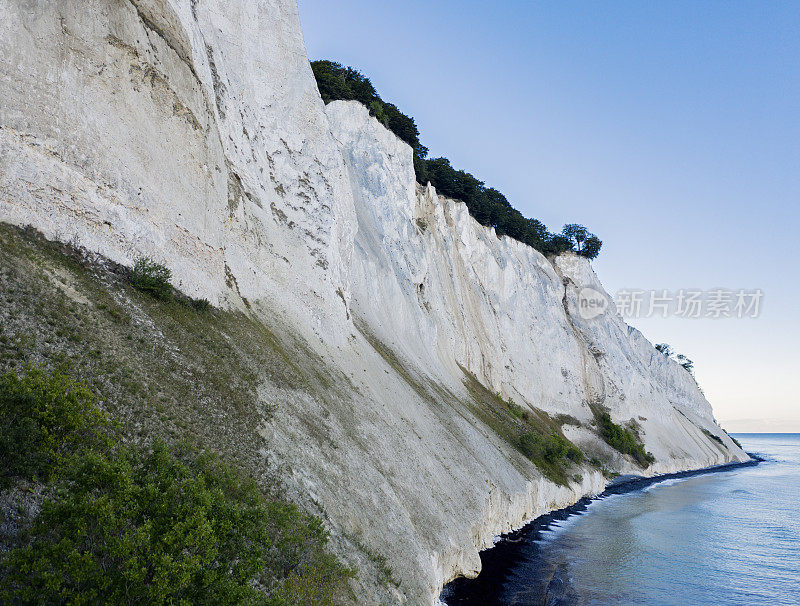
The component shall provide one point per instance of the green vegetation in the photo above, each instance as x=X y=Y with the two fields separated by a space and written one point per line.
x=584 y=243
x=685 y=362
x=125 y=524
x=598 y=464
x=161 y=367
x=79 y=345
x=43 y=418
x=151 y=277
x=487 y=205
x=624 y=440
x=533 y=432
x=336 y=82
x=549 y=451
x=735 y=441
x=716 y=439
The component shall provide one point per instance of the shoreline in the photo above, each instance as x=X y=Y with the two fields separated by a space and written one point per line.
x=498 y=559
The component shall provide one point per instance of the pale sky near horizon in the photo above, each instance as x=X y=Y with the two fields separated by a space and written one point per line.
x=671 y=130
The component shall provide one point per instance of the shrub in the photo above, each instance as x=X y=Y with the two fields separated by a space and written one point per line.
x=552 y=453
x=200 y=304
x=622 y=439
x=515 y=409
x=129 y=525
x=151 y=277
x=716 y=438
x=550 y=448
x=735 y=441
x=164 y=527
x=44 y=417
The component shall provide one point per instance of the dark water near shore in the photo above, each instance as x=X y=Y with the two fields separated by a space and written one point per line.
x=726 y=538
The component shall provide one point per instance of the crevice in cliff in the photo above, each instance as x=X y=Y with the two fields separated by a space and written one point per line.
x=149 y=73
x=591 y=361
x=216 y=82
x=182 y=53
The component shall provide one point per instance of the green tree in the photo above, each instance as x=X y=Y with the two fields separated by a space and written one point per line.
x=591 y=248
x=331 y=81
x=576 y=234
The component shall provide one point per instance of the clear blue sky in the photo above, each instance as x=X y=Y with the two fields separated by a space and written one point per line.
x=672 y=130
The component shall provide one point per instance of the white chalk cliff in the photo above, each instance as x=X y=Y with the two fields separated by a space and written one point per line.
x=192 y=131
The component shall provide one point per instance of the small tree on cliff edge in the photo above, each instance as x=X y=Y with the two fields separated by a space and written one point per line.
x=576 y=234
x=591 y=248
x=584 y=243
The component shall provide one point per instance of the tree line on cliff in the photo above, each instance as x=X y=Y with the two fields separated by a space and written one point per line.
x=486 y=204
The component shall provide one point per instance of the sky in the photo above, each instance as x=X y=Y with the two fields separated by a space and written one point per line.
x=671 y=130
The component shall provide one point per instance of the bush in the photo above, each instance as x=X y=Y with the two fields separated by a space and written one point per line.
x=551 y=448
x=44 y=417
x=151 y=277
x=716 y=438
x=129 y=525
x=200 y=304
x=735 y=441
x=621 y=439
x=552 y=453
x=163 y=527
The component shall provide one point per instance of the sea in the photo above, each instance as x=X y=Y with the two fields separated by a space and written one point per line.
x=729 y=537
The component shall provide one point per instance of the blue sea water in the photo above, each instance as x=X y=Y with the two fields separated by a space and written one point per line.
x=723 y=539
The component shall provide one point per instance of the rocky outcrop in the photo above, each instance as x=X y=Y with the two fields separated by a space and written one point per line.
x=192 y=132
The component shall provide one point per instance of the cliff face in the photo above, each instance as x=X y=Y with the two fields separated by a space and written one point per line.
x=192 y=132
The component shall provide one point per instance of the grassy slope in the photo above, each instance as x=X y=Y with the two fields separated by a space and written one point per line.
x=164 y=369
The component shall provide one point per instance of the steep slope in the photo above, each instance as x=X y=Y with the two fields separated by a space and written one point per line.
x=192 y=132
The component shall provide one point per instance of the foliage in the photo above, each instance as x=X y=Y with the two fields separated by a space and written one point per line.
x=531 y=431
x=548 y=449
x=685 y=362
x=597 y=463
x=200 y=304
x=514 y=408
x=581 y=241
x=577 y=234
x=716 y=438
x=621 y=439
x=336 y=82
x=664 y=348
x=487 y=205
x=43 y=418
x=735 y=441
x=151 y=277
x=164 y=525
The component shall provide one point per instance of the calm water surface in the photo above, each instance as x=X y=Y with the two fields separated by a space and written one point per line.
x=725 y=538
